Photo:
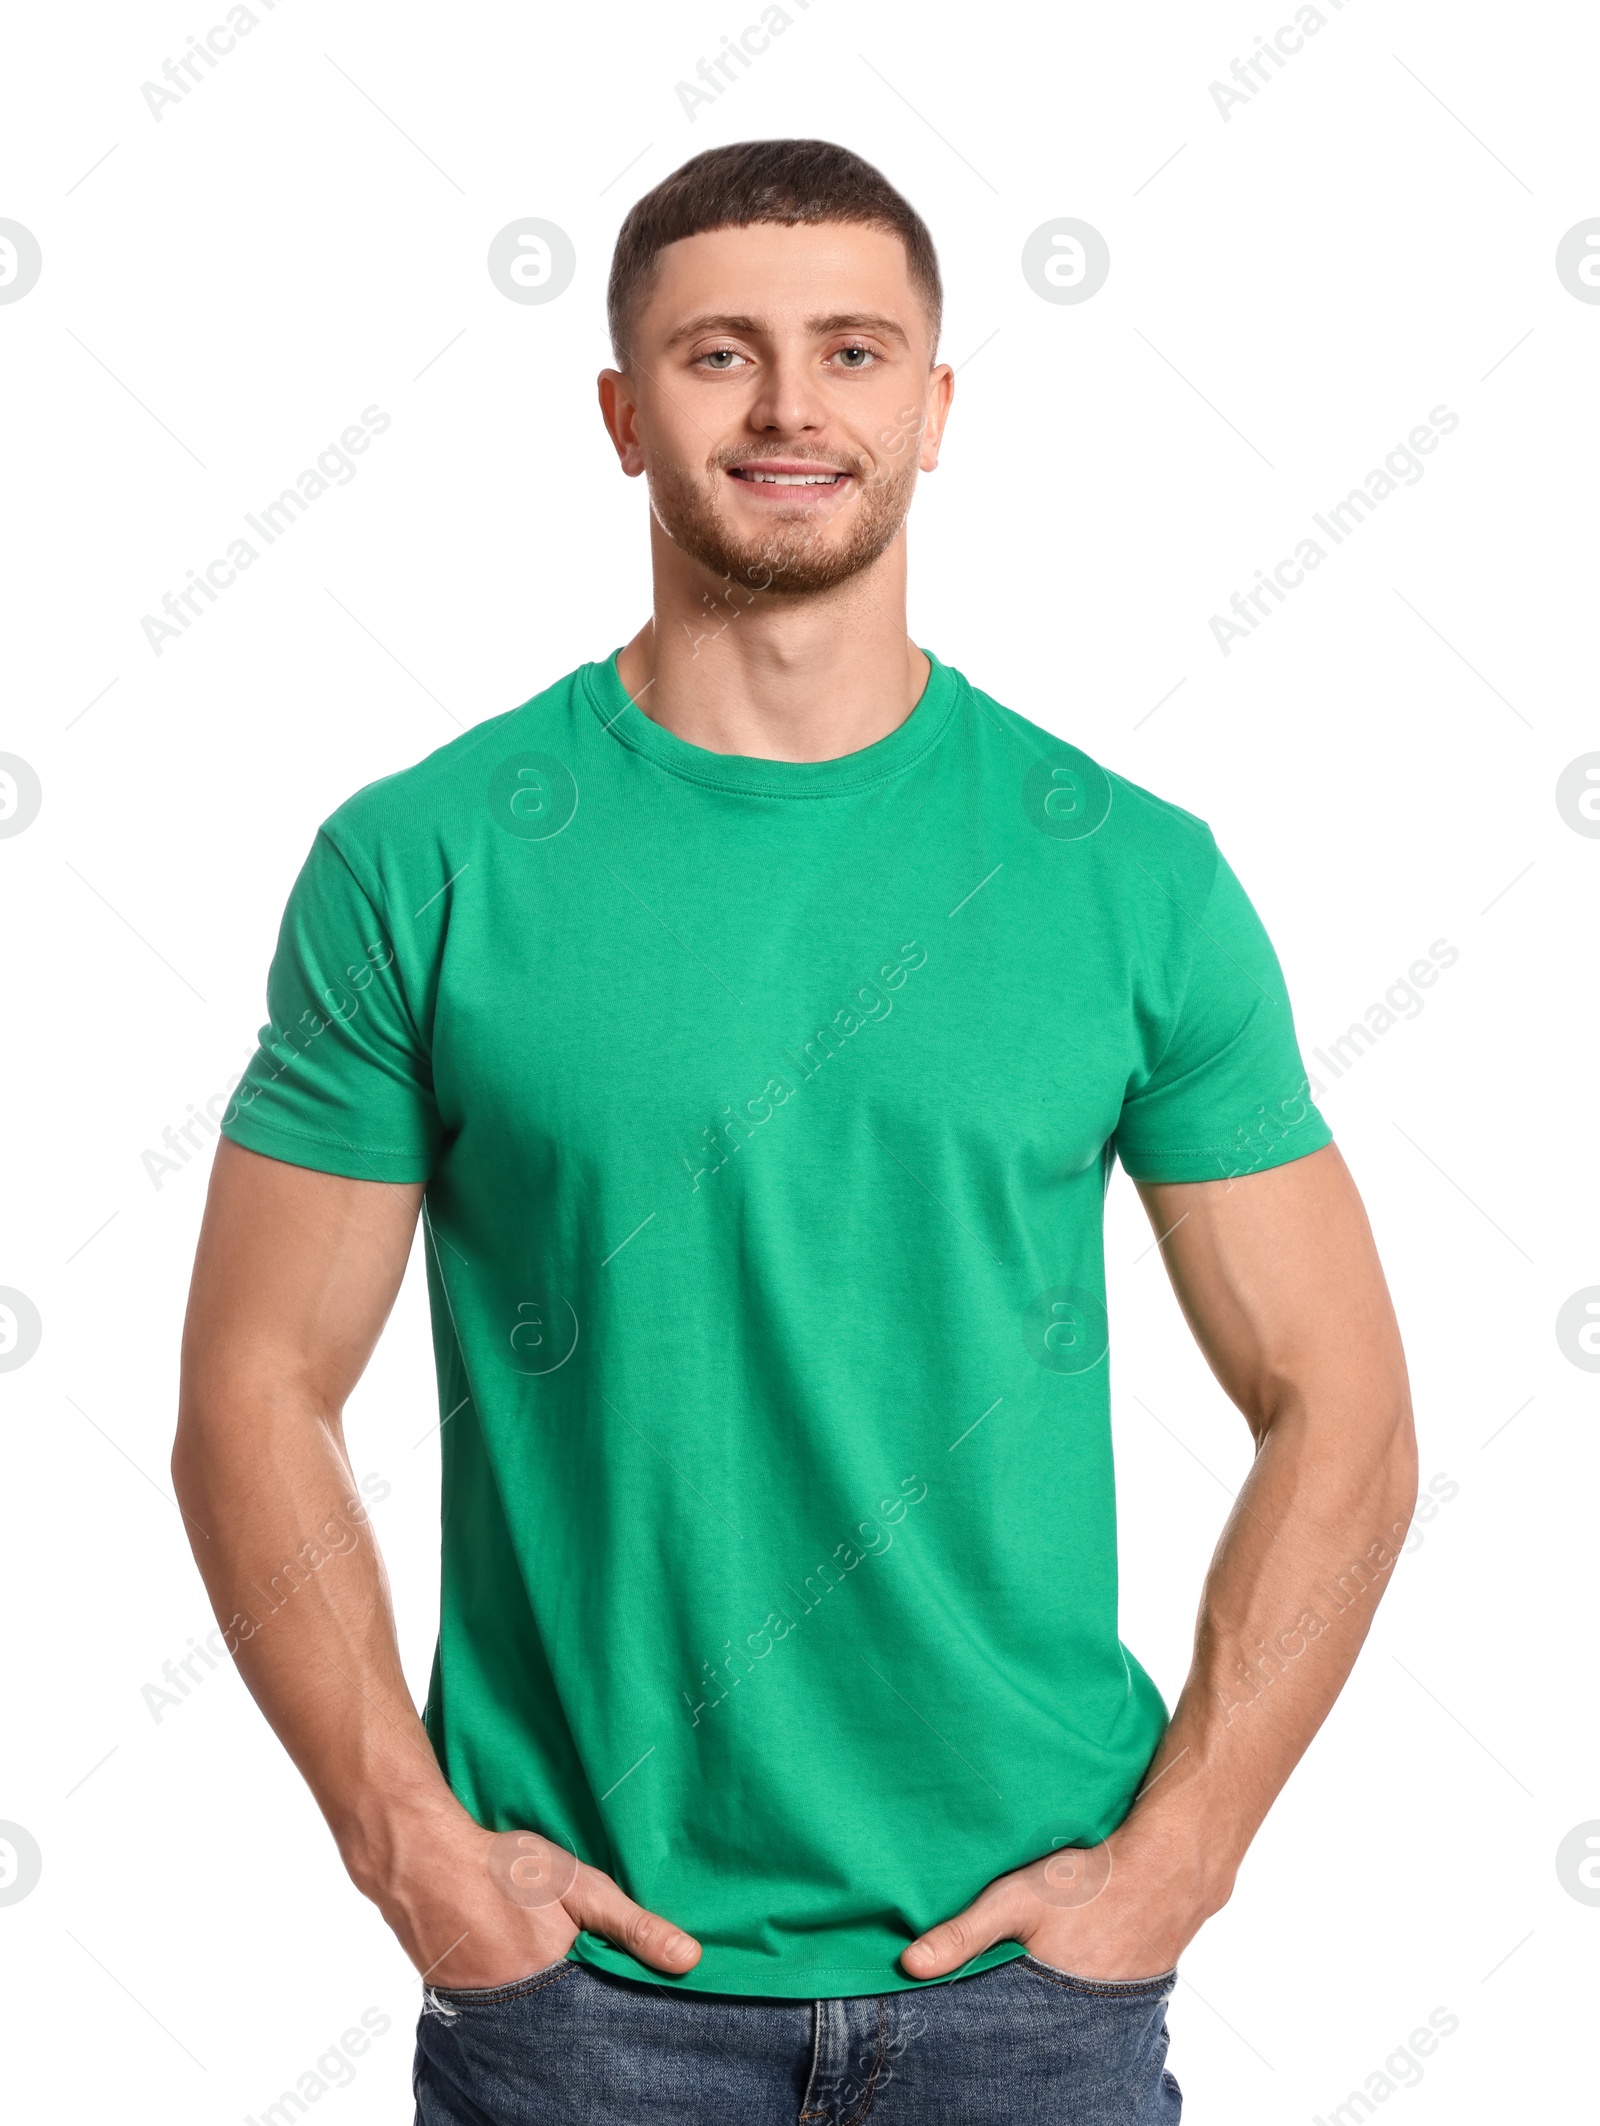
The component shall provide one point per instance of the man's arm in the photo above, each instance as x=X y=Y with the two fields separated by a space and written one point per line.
x=1280 y=1282
x=294 y=1278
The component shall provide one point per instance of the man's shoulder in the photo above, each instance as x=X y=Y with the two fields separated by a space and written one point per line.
x=452 y=782
x=1068 y=794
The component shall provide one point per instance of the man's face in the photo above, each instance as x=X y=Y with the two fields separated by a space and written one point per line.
x=780 y=400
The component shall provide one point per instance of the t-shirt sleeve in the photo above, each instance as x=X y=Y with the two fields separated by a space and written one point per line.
x=342 y=1079
x=1228 y=1093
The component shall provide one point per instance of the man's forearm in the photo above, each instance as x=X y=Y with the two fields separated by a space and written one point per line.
x=1290 y=1595
x=295 y=1276
x=291 y=1564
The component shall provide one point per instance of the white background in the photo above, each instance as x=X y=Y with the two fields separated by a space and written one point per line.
x=1371 y=235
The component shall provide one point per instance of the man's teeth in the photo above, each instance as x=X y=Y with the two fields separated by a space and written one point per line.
x=791 y=479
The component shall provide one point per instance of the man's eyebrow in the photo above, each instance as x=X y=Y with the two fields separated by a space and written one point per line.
x=818 y=327
x=715 y=322
x=859 y=321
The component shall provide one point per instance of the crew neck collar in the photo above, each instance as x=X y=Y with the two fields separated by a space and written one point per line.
x=630 y=726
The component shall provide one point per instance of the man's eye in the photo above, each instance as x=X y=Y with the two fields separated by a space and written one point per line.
x=856 y=357
x=722 y=358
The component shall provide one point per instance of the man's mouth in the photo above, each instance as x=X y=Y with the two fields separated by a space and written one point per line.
x=760 y=474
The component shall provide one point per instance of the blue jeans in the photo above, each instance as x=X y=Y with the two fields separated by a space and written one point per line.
x=1019 y=2045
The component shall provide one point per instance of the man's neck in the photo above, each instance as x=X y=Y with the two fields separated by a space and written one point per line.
x=776 y=678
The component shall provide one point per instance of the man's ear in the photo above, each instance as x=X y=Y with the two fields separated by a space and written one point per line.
x=941 y=389
x=620 y=412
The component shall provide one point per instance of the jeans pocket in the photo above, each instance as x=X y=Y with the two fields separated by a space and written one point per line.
x=1105 y=1988
x=453 y=1997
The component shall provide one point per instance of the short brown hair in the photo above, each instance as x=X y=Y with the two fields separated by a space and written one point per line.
x=783 y=181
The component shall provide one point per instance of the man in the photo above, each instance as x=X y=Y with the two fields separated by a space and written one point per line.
x=754 y=1017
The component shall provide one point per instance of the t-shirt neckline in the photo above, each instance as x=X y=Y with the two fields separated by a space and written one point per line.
x=908 y=741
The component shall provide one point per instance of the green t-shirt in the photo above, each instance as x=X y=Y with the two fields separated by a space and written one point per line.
x=766 y=1111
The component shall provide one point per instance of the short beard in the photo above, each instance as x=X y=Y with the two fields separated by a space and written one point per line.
x=791 y=562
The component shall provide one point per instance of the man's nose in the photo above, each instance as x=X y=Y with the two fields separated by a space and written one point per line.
x=789 y=400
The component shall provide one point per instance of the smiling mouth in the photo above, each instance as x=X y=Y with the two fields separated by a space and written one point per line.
x=761 y=476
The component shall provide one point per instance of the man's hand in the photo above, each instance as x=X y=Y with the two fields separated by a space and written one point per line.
x=1126 y=1908
x=484 y=1908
